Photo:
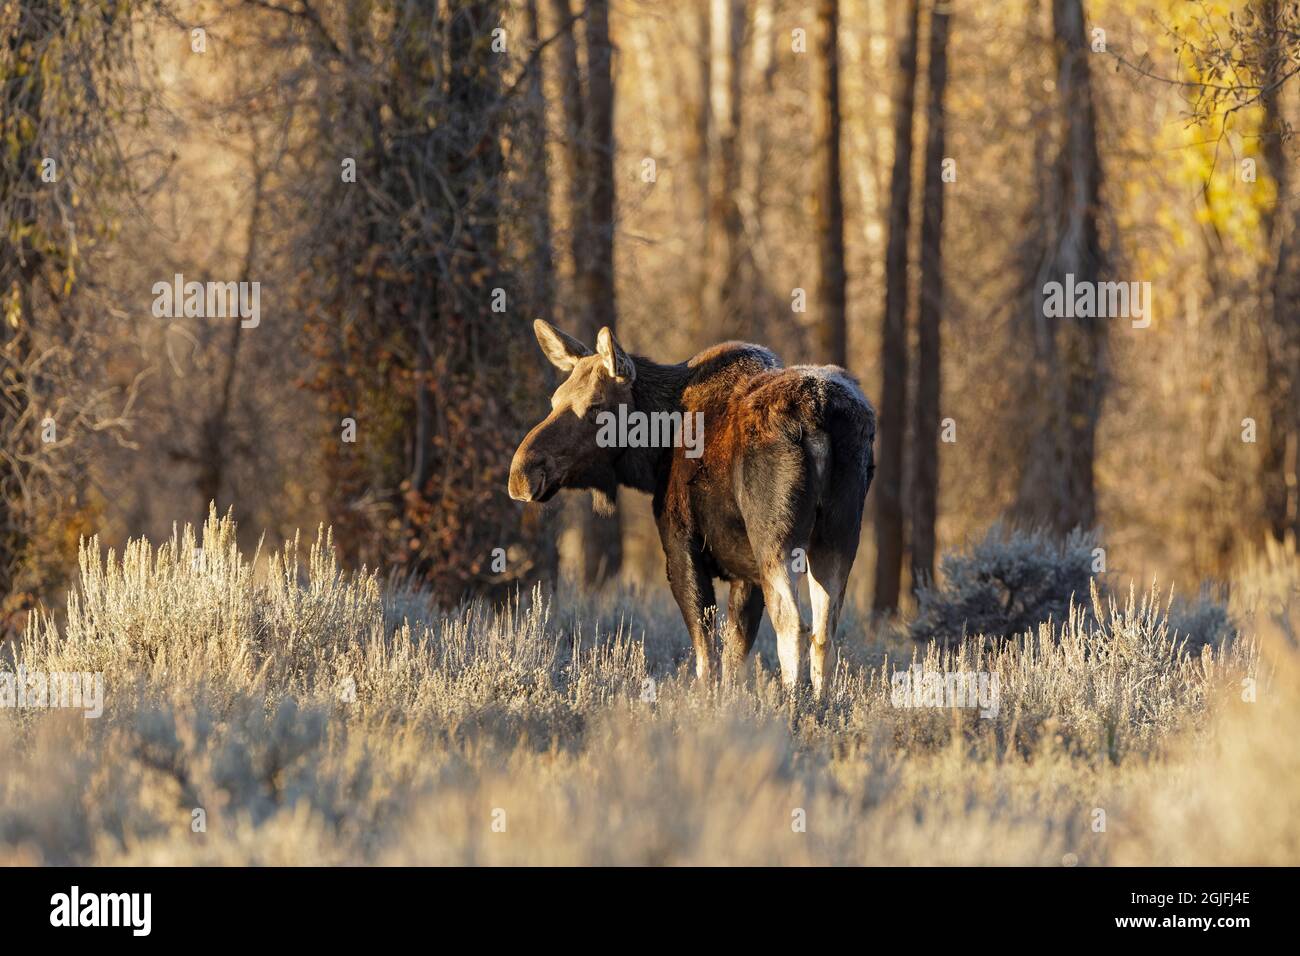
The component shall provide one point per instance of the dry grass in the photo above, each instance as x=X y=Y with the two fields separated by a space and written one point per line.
x=225 y=691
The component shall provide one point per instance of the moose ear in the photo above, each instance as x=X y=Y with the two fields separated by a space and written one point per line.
x=617 y=362
x=563 y=350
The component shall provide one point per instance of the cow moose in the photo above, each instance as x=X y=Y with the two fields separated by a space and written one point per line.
x=778 y=482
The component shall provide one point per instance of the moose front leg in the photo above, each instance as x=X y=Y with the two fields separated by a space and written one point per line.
x=744 y=614
x=692 y=588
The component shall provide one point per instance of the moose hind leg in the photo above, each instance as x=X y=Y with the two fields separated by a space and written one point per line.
x=791 y=632
x=778 y=509
x=826 y=580
x=831 y=552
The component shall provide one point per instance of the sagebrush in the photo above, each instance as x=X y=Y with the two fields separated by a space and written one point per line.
x=307 y=715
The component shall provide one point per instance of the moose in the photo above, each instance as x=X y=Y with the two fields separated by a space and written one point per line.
x=779 y=484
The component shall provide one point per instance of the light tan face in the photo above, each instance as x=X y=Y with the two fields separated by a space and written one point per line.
x=561 y=451
x=589 y=389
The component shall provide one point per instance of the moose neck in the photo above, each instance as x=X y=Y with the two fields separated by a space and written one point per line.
x=657 y=388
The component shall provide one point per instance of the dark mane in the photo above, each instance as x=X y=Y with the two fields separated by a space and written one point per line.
x=665 y=388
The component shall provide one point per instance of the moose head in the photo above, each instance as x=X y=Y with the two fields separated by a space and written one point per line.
x=562 y=451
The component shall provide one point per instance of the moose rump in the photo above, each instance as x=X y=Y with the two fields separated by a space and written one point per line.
x=786 y=493
x=778 y=487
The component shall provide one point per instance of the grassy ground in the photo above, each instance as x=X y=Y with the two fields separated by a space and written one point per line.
x=303 y=715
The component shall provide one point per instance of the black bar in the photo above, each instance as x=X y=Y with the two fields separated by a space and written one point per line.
x=611 y=908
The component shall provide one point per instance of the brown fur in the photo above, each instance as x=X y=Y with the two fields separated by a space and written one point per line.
x=786 y=464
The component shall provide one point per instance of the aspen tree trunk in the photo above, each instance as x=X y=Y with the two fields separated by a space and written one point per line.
x=893 y=345
x=1058 y=487
x=832 y=323
x=925 y=458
